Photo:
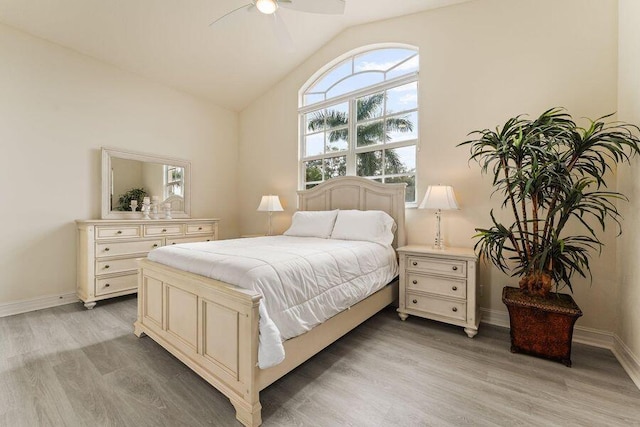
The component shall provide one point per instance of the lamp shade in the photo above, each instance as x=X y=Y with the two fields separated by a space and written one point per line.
x=270 y=203
x=439 y=197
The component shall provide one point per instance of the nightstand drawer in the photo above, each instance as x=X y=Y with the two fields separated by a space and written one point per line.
x=446 y=286
x=433 y=305
x=162 y=230
x=111 y=232
x=452 y=268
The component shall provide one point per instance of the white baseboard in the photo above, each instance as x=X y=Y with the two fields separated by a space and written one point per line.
x=582 y=335
x=629 y=361
x=23 y=306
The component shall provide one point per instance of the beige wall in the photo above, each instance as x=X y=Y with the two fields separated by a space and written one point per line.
x=57 y=108
x=629 y=179
x=481 y=62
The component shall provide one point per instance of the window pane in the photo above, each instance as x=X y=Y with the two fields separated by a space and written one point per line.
x=402 y=128
x=410 y=194
x=312 y=98
x=402 y=98
x=381 y=59
x=334 y=116
x=335 y=166
x=370 y=133
x=409 y=66
x=335 y=74
x=370 y=106
x=355 y=82
x=338 y=140
x=313 y=171
x=314 y=144
x=400 y=160
x=369 y=164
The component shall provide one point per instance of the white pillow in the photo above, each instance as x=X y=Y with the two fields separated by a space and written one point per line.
x=312 y=224
x=371 y=226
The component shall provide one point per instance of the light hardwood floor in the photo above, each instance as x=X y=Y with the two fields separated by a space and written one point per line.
x=68 y=366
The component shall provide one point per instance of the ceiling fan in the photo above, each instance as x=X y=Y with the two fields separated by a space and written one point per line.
x=269 y=7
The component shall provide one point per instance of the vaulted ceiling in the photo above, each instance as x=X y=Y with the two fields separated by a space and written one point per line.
x=171 y=42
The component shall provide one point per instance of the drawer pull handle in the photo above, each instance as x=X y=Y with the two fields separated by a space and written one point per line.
x=106 y=249
x=415 y=282
x=173 y=243
x=199 y=228
x=119 y=232
x=155 y=245
x=164 y=230
x=454 y=309
x=208 y=240
x=107 y=285
x=106 y=266
x=414 y=263
x=454 y=268
x=455 y=288
x=415 y=301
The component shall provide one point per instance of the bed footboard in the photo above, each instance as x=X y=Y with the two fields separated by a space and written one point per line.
x=210 y=326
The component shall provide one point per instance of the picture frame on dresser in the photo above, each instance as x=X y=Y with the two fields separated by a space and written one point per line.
x=440 y=284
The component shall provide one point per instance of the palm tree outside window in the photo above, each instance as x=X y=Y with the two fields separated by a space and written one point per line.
x=361 y=118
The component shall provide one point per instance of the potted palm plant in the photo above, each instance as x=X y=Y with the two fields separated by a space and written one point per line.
x=551 y=176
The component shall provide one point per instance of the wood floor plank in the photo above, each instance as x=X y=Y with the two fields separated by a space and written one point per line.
x=68 y=366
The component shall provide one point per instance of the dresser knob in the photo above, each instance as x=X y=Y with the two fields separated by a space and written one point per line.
x=164 y=230
x=199 y=228
x=173 y=243
x=106 y=266
x=414 y=263
x=454 y=309
x=107 y=285
x=415 y=282
x=106 y=249
x=455 y=288
x=155 y=245
x=208 y=240
x=415 y=301
x=454 y=268
x=119 y=232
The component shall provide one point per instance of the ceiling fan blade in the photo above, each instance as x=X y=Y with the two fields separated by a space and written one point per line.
x=281 y=32
x=326 y=7
x=249 y=6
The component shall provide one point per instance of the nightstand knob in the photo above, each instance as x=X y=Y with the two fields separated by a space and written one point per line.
x=415 y=301
x=415 y=282
x=454 y=309
x=455 y=288
x=414 y=263
x=454 y=268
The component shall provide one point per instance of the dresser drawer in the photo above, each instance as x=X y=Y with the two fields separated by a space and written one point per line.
x=440 y=285
x=163 y=230
x=200 y=228
x=178 y=240
x=117 y=231
x=116 y=265
x=442 y=307
x=125 y=248
x=451 y=268
x=109 y=285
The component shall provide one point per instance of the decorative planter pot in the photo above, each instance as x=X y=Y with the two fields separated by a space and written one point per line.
x=539 y=326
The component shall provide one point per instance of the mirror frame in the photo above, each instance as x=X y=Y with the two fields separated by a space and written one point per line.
x=109 y=153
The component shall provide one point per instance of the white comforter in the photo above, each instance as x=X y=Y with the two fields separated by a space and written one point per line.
x=303 y=280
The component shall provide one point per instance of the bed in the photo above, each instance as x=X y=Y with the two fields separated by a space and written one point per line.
x=213 y=327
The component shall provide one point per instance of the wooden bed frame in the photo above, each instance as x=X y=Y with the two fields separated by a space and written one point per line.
x=212 y=326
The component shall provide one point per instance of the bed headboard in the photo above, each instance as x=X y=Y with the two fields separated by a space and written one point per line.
x=352 y=192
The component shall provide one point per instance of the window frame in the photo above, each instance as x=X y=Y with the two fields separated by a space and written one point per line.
x=351 y=99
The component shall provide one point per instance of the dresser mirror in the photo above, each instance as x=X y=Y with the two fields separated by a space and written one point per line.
x=127 y=176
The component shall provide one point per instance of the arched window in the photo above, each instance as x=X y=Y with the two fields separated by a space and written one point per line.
x=360 y=117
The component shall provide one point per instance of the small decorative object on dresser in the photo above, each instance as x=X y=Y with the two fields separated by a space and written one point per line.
x=108 y=249
x=439 y=284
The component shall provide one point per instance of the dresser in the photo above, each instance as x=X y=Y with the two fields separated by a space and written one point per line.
x=108 y=249
x=439 y=284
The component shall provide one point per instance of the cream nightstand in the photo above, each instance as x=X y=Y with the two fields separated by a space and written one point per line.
x=439 y=285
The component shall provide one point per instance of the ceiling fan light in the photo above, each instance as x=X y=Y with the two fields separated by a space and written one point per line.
x=267 y=6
